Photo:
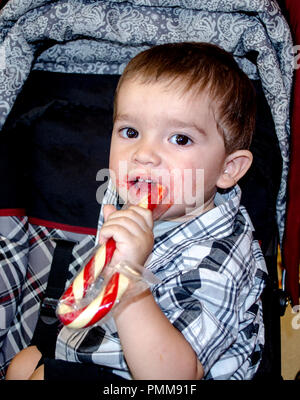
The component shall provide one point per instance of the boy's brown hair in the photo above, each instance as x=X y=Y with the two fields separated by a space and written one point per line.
x=203 y=66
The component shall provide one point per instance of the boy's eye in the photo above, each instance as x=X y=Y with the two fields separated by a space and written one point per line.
x=180 y=140
x=129 y=133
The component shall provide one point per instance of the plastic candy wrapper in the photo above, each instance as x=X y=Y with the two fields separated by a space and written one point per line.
x=103 y=293
x=99 y=286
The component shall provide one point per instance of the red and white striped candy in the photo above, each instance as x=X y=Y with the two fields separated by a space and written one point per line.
x=69 y=311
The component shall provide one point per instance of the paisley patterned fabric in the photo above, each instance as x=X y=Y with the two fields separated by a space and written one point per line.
x=99 y=37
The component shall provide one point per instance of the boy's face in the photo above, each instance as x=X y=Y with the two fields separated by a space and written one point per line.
x=163 y=135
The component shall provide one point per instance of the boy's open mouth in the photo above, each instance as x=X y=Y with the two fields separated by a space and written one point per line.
x=140 y=188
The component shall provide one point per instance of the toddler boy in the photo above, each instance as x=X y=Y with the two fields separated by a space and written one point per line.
x=180 y=109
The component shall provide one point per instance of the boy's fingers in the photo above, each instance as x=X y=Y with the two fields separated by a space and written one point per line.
x=135 y=220
x=121 y=234
x=136 y=214
x=107 y=210
x=145 y=213
x=133 y=226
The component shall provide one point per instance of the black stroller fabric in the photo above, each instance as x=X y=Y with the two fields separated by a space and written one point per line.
x=62 y=123
x=59 y=65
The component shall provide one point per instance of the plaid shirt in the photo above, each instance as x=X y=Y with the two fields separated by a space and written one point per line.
x=212 y=274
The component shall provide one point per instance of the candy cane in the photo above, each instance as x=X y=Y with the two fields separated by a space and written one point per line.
x=69 y=311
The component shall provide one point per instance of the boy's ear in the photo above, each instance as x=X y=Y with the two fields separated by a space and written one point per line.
x=235 y=166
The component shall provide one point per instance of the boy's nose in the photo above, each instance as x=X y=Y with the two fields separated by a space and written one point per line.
x=146 y=154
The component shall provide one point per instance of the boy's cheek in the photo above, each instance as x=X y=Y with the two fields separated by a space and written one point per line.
x=119 y=174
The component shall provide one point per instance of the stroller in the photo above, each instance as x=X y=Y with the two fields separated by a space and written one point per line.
x=60 y=62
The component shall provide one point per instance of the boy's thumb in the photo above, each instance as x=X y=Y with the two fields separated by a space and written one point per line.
x=107 y=210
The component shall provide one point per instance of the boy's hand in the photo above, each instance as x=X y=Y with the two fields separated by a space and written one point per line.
x=132 y=231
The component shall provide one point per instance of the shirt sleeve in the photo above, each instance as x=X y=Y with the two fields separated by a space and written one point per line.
x=202 y=305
